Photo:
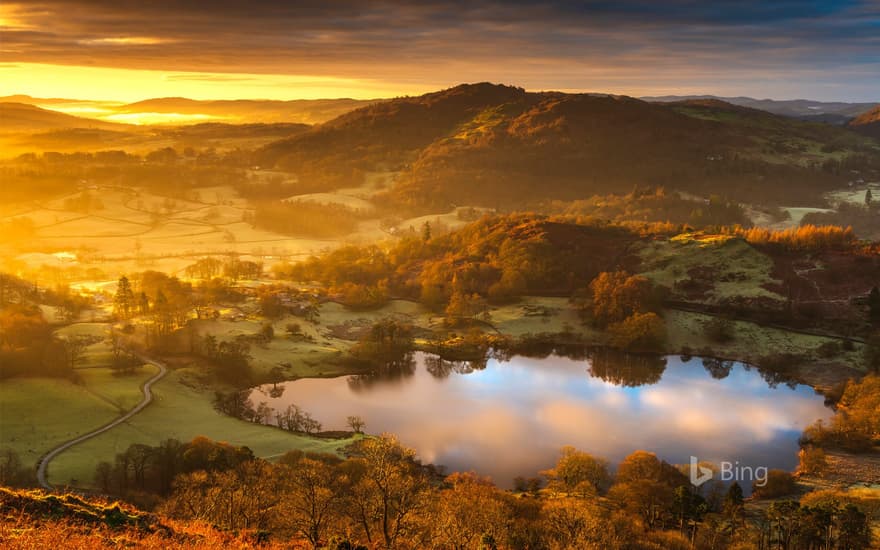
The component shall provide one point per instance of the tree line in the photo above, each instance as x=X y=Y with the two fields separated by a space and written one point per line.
x=381 y=496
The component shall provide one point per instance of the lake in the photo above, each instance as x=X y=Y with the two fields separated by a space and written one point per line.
x=509 y=417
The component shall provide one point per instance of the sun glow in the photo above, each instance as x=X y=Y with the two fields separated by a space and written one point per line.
x=129 y=85
x=125 y=41
x=161 y=118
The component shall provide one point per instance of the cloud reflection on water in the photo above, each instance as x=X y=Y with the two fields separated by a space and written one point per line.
x=512 y=417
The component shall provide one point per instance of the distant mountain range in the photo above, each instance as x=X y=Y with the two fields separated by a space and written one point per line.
x=21 y=117
x=305 y=111
x=316 y=111
x=245 y=111
x=839 y=113
x=29 y=128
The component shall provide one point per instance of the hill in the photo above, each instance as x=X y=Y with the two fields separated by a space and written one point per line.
x=830 y=112
x=22 y=117
x=868 y=123
x=244 y=111
x=304 y=111
x=495 y=146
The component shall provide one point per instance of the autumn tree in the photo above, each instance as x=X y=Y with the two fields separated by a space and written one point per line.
x=468 y=509
x=390 y=491
x=577 y=473
x=645 y=485
x=387 y=341
x=575 y=523
x=777 y=483
x=466 y=307
x=639 y=332
x=618 y=295
x=311 y=496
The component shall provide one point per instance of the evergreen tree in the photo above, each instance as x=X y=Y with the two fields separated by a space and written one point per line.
x=123 y=302
x=868 y=197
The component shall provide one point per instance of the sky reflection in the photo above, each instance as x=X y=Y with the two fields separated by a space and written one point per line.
x=512 y=417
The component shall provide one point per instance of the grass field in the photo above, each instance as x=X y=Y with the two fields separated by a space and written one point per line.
x=183 y=412
x=854 y=196
x=797 y=214
x=132 y=230
x=38 y=414
x=752 y=342
x=730 y=265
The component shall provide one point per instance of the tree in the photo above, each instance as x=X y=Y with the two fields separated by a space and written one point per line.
x=232 y=360
x=720 y=330
x=123 y=301
x=577 y=472
x=387 y=341
x=390 y=491
x=778 y=483
x=618 y=295
x=311 y=496
x=812 y=461
x=639 y=332
x=267 y=332
x=688 y=507
x=426 y=231
x=645 y=485
x=356 y=423
x=853 y=528
x=294 y=330
x=868 y=197
x=733 y=500
x=76 y=345
x=464 y=306
x=469 y=509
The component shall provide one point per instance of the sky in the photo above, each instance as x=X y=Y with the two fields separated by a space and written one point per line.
x=125 y=50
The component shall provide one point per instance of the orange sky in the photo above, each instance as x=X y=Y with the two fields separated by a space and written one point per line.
x=129 y=85
x=224 y=49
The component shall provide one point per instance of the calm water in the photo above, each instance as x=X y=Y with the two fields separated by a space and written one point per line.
x=510 y=418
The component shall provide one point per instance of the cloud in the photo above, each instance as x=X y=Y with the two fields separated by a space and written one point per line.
x=629 y=44
x=124 y=41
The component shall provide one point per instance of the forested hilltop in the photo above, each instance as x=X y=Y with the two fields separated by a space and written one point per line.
x=493 y=145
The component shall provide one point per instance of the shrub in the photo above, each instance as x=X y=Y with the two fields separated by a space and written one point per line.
x=778 y=483
x=828 y=350
x=812 y=461
x=720 y=330
x=639 y=332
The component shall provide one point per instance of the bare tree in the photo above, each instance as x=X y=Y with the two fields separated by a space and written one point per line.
x=356 y=423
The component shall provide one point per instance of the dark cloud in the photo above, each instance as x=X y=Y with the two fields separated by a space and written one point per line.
x=834 y=46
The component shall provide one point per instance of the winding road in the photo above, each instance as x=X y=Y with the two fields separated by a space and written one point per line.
x=146 y=388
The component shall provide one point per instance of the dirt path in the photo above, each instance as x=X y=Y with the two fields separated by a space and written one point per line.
x=146 y=388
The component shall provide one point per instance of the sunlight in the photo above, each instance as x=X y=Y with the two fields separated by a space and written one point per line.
x=161 y=118
x=129 y=85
